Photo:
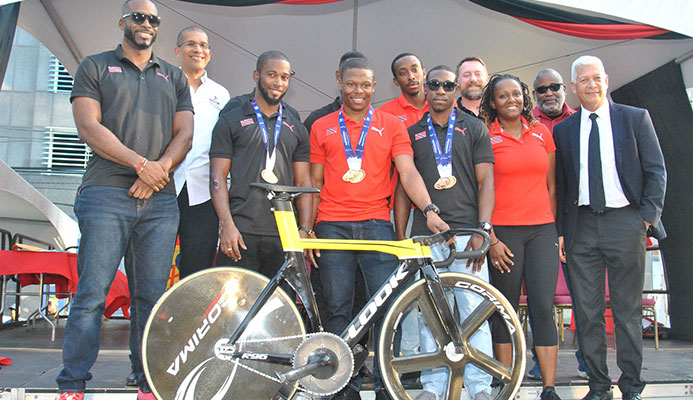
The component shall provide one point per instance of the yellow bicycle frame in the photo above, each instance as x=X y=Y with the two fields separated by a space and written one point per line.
x=291 y=241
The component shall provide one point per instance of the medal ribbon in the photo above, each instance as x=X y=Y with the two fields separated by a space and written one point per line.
x=354 y=156
x=270 y=159
x=443 y=159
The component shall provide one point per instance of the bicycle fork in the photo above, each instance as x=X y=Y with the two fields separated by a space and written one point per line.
x=450 y=322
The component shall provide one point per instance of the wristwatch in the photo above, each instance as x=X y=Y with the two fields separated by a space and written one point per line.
x=431 y=207
x=309 y=231
x=485 y=226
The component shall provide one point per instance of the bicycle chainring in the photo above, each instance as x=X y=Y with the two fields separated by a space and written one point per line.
x=345 y=363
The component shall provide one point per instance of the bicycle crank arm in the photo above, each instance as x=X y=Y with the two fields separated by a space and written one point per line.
x=322 y=364
x=282 y=359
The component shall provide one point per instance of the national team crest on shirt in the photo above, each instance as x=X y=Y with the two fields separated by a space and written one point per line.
x=247 y=121
x=114 y=68
x=215 y=101
x=420 y=135
x=496 y=139
x=330 y=131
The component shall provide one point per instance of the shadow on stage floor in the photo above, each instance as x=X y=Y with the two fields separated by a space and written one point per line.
x=36 y=361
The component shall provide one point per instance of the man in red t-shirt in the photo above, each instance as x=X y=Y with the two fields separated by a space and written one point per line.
x=351 y=153
x=549 y=95
x=408 y=75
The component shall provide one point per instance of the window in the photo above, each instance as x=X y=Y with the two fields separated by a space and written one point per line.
x=63 y=152
x=59 y=80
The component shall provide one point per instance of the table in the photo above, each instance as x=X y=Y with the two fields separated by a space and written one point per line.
x=58 y=268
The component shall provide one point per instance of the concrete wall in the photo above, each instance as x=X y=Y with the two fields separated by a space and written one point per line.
x=26 y=108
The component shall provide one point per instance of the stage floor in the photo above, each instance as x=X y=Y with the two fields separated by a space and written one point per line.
x=36 y=362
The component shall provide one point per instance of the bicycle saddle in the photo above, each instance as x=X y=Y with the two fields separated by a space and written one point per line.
x=291 y=190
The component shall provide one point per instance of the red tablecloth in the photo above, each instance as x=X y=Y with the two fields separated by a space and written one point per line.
x=60 y=269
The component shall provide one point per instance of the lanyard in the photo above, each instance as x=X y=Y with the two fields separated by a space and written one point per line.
x=270 y=159
x=443 y=159
x=354 y=156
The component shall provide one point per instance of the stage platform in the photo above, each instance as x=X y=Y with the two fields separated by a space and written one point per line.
x=36 y=361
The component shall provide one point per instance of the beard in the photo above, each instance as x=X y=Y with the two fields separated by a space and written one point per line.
x=266 y=97
x=552 y=110
x=130 y=36
x=473 y=92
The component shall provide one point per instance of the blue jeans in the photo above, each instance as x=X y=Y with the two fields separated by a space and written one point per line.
x=113 y=226
x=338 y=269
x=475 y=380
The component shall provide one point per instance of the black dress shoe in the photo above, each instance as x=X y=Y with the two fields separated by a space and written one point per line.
x=631 y=396
x=131 y=380
x=599 y=395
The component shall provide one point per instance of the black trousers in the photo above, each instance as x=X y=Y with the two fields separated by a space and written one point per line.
x=536 y=260
x=612 y=242
x=198 y=232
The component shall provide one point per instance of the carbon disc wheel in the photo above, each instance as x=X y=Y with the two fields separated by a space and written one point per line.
x=487 y=301
x=203 y=309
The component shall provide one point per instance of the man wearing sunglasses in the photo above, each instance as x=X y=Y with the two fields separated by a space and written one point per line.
x=134 y=111
x=458 y=177
x=549 y=95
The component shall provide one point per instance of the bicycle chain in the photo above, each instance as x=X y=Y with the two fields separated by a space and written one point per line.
x=270 y=377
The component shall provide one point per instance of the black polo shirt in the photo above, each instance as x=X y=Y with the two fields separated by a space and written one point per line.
x=471 y=145
x=321 y=112
x=466 y=110
x=237 y=136
x=137 y=106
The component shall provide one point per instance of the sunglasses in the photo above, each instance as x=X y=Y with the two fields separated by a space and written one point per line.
x=138 y=17
x=434 y=84
x=555 y=87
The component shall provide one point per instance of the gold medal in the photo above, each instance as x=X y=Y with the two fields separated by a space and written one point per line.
x=360 y=174
x=349 y=176
x=445 y=182
x=269 y=176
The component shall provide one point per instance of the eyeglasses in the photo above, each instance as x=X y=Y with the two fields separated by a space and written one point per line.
x=434 y=84
x=138 y=17
x=555 y=87
x=192 y=43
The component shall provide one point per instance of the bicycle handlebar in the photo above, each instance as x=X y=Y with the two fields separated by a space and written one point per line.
x=449 y=234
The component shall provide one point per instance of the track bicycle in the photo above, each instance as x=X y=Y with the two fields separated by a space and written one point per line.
x=231 y=333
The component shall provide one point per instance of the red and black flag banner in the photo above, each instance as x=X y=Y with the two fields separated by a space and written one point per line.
x=575 y=24
x=243 y=3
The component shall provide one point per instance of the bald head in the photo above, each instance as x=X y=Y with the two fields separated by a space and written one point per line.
x=131 y=5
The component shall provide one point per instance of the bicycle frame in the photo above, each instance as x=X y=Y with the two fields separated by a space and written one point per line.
x=414 y=256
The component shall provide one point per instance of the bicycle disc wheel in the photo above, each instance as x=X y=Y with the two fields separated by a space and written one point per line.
x=488 y=300
x=202 y=310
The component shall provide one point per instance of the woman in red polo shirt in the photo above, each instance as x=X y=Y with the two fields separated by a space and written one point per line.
x=523 y=238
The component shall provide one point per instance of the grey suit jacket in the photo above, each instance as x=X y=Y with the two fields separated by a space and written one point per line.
x=639 y=164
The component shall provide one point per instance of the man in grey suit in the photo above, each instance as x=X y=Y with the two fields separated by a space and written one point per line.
x=611 y=180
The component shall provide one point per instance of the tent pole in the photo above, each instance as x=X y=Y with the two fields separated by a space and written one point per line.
x=355 y=26
x=60 y=26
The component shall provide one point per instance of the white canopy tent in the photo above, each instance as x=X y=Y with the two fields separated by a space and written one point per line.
x=315 y=36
